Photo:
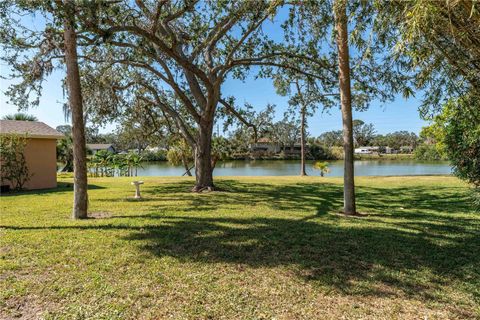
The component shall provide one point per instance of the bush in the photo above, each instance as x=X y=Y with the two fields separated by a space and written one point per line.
x=319 y=152
x=427 y=152
x=14 y=168
x=154 y=155
x=336 y=153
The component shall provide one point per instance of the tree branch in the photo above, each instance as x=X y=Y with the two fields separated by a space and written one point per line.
x=232 y=110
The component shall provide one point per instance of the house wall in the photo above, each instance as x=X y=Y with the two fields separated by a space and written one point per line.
x=266 y=147
x=41 y=157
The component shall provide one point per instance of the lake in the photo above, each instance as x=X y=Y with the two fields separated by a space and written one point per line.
x=292 y=167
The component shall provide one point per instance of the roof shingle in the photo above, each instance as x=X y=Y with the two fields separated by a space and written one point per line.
x=33 y=129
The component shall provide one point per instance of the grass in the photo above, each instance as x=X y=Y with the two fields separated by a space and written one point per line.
x=264 y=248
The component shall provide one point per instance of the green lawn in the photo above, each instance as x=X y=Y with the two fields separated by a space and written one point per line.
x=263 y=248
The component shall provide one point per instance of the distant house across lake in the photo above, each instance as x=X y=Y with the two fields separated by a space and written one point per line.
x=95 y=147
x=384 y=150
x=265 y=146
x=40 y=151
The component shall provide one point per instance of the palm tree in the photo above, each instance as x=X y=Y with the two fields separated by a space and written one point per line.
x=93 y=164
x=322 y=166
x=119 y=163
x=19 y=116
x=103 y=159
x=134 y=160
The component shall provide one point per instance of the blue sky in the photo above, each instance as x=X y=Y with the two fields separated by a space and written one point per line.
x=401 y=114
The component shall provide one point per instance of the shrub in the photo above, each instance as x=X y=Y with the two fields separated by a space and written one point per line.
x=154 y=155
x=427 y=152
x=337 y=153
x=13 y=167
x=321 y=152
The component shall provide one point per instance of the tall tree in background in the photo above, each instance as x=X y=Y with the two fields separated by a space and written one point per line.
x=305 y=97
x=80 y=184
x=297 y=99
x=308 y=97
x=341 y=21
x=331 y=138
x=303 y=124
x=256 y=124
x=363 y=133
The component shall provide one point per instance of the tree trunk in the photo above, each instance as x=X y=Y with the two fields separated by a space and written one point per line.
x=302 y=143
x=80 y=197
x=203 y=158
x=340 y=10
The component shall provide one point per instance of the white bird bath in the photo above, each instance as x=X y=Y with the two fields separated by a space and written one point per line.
x=137 y=189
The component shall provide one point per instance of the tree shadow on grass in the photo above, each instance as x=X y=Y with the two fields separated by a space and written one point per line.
x=319 y=198
x=310 y=198
x=61 y=187
x=323 y=252
x=362 y=259
x=393 y=251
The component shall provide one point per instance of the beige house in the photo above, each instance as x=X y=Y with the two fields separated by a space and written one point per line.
x=265 y=145
x=40 y=151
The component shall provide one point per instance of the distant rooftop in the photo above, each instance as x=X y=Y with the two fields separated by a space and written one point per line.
x=264 y=140
x=99 y=146
x=33 y=129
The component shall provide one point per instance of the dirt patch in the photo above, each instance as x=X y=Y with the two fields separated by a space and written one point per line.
x=26 y=308
x=99 y=215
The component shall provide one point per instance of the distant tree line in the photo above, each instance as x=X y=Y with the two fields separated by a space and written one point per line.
x=238 y=142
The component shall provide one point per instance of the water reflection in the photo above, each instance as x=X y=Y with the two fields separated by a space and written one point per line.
x=290 y=167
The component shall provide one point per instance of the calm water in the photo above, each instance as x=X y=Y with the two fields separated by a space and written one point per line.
x=290 y=167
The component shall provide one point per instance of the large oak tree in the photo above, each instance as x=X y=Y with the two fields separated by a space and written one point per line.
x=188 y=49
